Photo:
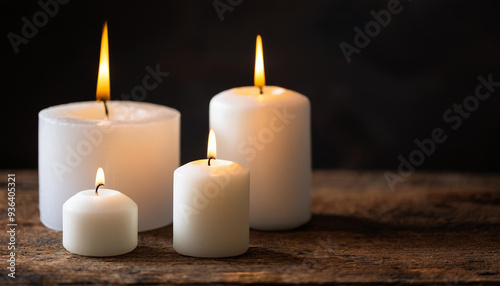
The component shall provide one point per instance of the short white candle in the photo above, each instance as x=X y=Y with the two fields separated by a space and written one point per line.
x=266 y=129
x=138 y=142
x=102 y=223
x=211 y=209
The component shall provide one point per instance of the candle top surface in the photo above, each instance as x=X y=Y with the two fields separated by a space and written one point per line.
x=106 y=200
x=120 y=112
x=217 y=167
x=100 y=193
x=249 y=96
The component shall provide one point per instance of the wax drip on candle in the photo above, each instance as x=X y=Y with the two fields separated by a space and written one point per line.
x=259 y=75
x=99 y=180
x=212 y=147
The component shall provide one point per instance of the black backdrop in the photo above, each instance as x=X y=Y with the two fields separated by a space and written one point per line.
x=365 y=113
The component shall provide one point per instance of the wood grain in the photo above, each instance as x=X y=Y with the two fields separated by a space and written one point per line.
x=435 y=229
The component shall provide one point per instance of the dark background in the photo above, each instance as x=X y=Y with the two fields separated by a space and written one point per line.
x=364 y=114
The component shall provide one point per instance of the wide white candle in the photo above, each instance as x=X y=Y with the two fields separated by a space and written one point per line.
x=138 y=144
x=266 y=129
x=100 y=223
x=211 y=209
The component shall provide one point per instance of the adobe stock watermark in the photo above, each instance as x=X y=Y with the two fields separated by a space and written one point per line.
x=323 y=249
x=48 y=9
x=150 y=81
x=93 y=137
x=454 y=117
x=11 y=226
x=265 y=136
x=372 y=29
x=211 y=190
x=223 y=6
x=74 y=155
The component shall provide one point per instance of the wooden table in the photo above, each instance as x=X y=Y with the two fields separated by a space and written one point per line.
x=435 y=229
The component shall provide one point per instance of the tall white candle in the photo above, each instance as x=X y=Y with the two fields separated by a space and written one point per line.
x=266 y=129
x=100 y=223
x=138 y=144
x=211 y=209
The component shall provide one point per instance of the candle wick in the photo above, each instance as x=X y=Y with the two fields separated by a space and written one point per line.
x=261 y=90
x=210 y=158
x=105 y=108
x=97 y=188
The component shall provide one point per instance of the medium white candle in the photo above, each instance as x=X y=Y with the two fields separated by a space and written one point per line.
x=266 y=129
x=100 y=222
x=211 y=209
x=139 y=142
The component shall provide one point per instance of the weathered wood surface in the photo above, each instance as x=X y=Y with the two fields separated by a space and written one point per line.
x=435 y=229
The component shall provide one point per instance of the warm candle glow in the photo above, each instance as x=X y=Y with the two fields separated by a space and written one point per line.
x=103 y=89
x=212 y=147
x=99 y=177
x=259 y=75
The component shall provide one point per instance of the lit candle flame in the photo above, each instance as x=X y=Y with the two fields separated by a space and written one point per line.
x=103 y=89
x=212 y=146
x=99 y=177
x=259 y=75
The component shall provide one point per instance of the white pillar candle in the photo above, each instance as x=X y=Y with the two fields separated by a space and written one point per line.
x=100 y=223
x=269 y=134
x=138 y=144
x=211 y=209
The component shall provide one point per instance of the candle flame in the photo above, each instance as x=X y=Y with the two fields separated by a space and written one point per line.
x=103 y=89
x=259 y=75
x=212 y=146
x=99 y=177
